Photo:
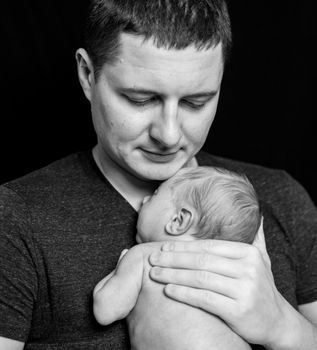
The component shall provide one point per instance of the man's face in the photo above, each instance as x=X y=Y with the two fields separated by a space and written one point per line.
x=152 y=109
x=156 y=211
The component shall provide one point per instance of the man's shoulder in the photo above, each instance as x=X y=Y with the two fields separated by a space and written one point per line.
x=57 y=174
x=60 y=195
x=267 y=181
x=53 y=189
x=256 y=171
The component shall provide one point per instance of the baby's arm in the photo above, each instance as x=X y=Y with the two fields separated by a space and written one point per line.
x=116 y=294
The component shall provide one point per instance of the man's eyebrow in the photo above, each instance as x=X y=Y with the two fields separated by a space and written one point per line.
x=207 y=94
x=138 y=91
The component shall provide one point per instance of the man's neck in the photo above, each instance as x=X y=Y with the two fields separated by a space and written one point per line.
x=129 y=186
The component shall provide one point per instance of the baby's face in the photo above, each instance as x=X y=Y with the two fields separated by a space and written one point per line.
x=156 y=211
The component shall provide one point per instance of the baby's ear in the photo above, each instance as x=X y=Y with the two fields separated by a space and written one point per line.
x=180 y=223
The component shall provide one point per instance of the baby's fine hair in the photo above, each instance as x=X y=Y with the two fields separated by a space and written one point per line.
x=225 y=202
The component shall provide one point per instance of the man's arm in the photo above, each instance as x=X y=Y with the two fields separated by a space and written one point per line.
x=304 y=332
x=10 y=344
x=116 y=294
x=300 y=329
x=309 y=311
x=18 y=275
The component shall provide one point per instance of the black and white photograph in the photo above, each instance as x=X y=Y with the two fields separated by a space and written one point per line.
x=158 y=181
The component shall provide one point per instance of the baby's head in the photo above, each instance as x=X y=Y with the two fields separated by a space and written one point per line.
x=201 y=203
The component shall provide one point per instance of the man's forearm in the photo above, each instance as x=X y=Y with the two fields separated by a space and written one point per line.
x=296 y=333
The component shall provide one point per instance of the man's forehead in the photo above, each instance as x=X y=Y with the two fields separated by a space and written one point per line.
x=137 y=49
x=142 y=66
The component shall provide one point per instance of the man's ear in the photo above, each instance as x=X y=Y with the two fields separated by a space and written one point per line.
x=180 y=223
x=85 y=71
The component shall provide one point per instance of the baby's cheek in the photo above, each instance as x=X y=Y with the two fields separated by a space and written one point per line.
x=141 y=228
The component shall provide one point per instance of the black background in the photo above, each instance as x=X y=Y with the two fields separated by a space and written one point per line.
x=266 y=113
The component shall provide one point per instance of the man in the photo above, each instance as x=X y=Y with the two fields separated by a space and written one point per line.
x=152 y=72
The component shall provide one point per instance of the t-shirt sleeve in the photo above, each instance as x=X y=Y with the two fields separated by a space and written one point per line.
x=18 y=278
x=300 y=222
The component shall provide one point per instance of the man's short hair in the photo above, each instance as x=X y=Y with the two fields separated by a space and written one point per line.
x=170 y=23
x=225 y=202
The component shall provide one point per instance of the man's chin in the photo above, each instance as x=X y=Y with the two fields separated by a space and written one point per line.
x=160 y=172
x=158 y=176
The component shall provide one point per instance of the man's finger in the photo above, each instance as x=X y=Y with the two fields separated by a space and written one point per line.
x=197 y=261
x=211 y=302
x=197 y=279
x=259 y=242
x=228 y=249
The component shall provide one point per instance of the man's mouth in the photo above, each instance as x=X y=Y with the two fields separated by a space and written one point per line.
x=159 y=157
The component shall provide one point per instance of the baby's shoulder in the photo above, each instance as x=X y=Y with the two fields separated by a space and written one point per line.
x=139 y=255
x=145 y=249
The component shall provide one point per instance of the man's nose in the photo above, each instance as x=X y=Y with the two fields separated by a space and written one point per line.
x=166 y=127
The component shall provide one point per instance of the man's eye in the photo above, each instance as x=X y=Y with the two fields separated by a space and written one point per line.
x=194 y=105
x=140 y=102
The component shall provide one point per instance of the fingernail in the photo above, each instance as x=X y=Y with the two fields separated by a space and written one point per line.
x=169 y=289
x=156 y=271
x=168 y=247
x=154 y=257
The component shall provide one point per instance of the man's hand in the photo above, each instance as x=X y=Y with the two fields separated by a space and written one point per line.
x=229 y=279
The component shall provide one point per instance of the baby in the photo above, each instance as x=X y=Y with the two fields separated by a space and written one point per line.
x=196 y=203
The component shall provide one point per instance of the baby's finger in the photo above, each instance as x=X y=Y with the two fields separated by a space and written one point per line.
x=123 y=253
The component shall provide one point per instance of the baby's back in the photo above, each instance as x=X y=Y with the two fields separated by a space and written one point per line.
x=158 y=322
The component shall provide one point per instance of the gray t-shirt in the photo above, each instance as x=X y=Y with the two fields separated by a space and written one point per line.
x=63 y=227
